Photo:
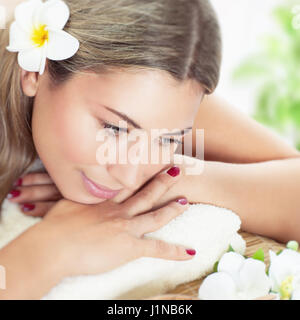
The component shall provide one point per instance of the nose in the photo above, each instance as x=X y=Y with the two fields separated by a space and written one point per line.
x=131 y=172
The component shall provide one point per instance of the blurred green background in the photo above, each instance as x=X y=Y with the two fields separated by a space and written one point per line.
x=275 y=72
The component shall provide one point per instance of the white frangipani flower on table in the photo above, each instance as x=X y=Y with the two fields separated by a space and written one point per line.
x=37 y=34
x=284 y=273
x=238 y=278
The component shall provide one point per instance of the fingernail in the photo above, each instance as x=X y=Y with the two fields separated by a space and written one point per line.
x=18 y=183
x=13 y=194
x=27 y=207
x=182 y=201
x=191 y=252
x=174 y=171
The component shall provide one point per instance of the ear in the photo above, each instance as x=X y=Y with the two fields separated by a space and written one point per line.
x=29 y=82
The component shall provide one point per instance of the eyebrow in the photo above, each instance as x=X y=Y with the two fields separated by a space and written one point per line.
x=137 y=126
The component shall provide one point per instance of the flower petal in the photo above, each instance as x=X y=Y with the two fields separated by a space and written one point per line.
x=283 y=265
x=254 y=281
x=61 y=45
x=24 y=13
x=291 y=256
x=18 y=39
x=30 y=60
x=43 y=59
x=231 y=262
x=54 y=14
x=217 y=286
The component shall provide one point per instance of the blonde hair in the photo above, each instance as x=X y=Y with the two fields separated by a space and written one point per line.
x=181 y=37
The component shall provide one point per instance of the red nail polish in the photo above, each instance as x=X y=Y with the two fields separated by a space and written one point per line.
x=174 y=171
x=182 y=201
x=191 y=252
x=18 y=183
x=27 y=207
x=13 y=194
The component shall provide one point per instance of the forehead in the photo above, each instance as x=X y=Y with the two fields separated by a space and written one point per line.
x=151 y=97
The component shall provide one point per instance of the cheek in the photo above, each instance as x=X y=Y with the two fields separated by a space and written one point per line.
x=76 y=137
x=66 y=134
x=76 y=132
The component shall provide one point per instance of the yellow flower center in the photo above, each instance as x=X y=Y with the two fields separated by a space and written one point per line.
x=40 y=35
x=286 y=288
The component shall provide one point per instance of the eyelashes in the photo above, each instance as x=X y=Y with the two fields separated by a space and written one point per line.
x=117 y=130
x=171 y=140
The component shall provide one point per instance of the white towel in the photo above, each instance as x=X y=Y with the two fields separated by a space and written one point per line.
x=208 y=229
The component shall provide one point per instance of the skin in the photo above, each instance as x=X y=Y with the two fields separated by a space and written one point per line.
x=248 y=168
x=76 y=239
x=65 y=123
x=240 y=155
x=66 y=120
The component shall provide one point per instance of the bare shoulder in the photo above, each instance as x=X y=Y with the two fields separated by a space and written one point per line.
x=232 y=136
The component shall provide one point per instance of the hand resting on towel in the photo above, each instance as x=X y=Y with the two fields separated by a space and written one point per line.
x=35 y=193
x=76 y=239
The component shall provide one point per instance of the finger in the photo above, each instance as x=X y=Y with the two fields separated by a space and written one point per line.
x=160 y=249
x=34 y=193
x=155 y=220
x=144 y=199
x=37 y=209
x=34 y=178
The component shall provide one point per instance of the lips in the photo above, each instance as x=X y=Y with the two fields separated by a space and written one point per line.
x=98 y=190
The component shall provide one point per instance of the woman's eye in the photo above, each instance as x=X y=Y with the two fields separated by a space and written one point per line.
x=108 y=126
x=116 y=130
x=168 y=141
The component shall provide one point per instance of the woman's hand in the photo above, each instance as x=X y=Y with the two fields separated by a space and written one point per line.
x=35 y=193
x=75 y=239
x=190 y=184
x=90 y=239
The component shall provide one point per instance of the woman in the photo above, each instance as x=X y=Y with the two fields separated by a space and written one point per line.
x=151 y=63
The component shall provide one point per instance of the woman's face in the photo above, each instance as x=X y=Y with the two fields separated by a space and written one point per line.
x=67 y=120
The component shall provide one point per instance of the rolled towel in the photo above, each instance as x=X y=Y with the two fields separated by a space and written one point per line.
x=207 y=229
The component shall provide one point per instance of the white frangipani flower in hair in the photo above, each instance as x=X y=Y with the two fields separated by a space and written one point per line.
x=37 y=34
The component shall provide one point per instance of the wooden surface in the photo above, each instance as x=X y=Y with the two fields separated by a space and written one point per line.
x=253 y=243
